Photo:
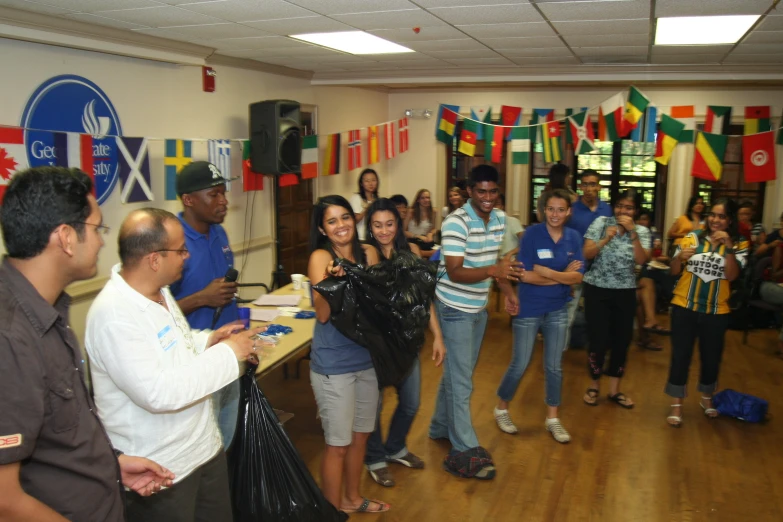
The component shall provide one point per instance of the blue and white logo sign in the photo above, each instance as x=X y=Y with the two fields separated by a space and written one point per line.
x=71 y=103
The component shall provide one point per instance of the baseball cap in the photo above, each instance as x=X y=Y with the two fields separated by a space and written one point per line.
x=199 y=175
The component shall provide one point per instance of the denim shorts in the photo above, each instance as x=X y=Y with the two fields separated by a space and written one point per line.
x=347 y=403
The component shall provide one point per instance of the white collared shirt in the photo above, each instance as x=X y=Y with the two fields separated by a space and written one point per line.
x=153 y=377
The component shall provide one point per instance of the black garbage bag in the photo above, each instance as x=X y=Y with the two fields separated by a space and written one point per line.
x=268 y=480
x=385 y=309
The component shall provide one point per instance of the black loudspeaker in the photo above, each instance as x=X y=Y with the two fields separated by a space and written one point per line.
x=275 y=143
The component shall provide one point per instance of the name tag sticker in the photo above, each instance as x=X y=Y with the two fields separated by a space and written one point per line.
x=544 y=253
x=167 y=338
x=10 y=441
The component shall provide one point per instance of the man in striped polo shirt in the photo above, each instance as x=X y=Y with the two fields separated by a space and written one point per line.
x=471 y=240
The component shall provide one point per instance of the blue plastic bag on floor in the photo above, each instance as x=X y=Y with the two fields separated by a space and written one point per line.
x=740 y=406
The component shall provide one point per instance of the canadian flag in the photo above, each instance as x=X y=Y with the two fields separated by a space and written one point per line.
x=13 y=156
x=403 y=124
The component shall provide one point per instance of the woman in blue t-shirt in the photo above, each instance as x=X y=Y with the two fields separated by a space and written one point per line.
x=341 y=371
x=552 y=259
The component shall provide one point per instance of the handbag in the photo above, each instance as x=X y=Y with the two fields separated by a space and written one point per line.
x=741 y=406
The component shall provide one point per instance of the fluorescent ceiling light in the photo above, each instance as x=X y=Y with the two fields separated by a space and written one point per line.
x=702 y=30
x=354 y=42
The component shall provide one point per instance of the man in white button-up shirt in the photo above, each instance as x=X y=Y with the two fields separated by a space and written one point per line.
x=153 y=376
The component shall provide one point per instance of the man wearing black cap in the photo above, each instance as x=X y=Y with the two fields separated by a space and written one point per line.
x=202 y=289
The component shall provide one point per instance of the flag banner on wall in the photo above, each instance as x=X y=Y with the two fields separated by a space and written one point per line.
x=13 y=157
x=581 y=132
x=250 y=180
x=708 y=156
x=686 y=114
x=757 y=119
x=447 y=120
x=332 y=155
x=482 y=114
x=373 y=145
x=310 y=157
x=645 y=128
x=540 y=116
x=758 y=155
x=467 y=138
x=134 y=170
x=176 y=155
x=634 y=108
x=287 y=180
x=354 y=149
x=219 y=154
x=551 y=142
x=74 y=150
x=572 y=111
x=601 y=125
x=510 y=116
x=520 y=145
x=402 y=125
x=780 y=131
x=668 y=136
x=718 y=119
x=493 y=142
x=612 y=110
x=388 y=140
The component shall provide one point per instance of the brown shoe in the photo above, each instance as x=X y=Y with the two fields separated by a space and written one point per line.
x=382 y=476
x=410 y=460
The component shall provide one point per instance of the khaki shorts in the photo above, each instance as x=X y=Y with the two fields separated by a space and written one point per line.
x=347 y=403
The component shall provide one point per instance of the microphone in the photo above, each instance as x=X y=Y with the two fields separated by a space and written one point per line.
x=231 y=276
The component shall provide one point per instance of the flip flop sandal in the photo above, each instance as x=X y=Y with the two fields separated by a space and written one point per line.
x=676 y=418
x=620 y=399
x=365 y=507
x=657 y=329
x=593 y=394
x=649 y=345
x=710 y=413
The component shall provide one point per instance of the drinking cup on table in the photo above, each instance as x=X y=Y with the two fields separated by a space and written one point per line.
x=297 y=280
x=306 y=292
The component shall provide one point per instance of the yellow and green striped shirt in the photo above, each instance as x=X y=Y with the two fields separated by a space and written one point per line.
x=703 y=286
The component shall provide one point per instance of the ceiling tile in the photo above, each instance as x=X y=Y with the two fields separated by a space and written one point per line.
x=313 y=24
x=423 y=64
x=522 y=43
x=596 y=60
x=754 y=58
x=582 y=11
x=480 y=61
x=710 y=7
x=662 y=50
x=535 y=51
x=758 y=49
x=35 y=7
x=333 y=7
x=402 y=57
x=507 y=30
x=160 y=16
x=467 y=3
x=442 y=32
x=476 y=53
x=607 y=40
x=390 y=19
x=548 y=60
x=264 y=42
x=492 y=14
x=368 y=66
x=762 y=37
x=771 y=23
x=610 y=51
x=249 y=10
x=686 y=58
x=597 y=28
x=100 y=20
x=93 y=6
x=446 y=45
x=216 y=31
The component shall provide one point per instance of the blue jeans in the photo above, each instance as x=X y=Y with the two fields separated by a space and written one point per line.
x=554 y=326
x=226 y=404
x=409 y=396
x=462 y=335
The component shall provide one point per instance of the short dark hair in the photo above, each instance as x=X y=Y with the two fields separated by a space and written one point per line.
x=37 y=201
x=645 y=212
x=377 y=184
x=399 y=199
x=380 y=205
x=629 y=193
x=746 y=204
x=481 y=174
x=318 y=240
x=589 y=172
x=144 y=239
x=544 y=198
x=557 y=176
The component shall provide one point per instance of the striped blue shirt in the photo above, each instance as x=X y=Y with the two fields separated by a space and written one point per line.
x=464 y=234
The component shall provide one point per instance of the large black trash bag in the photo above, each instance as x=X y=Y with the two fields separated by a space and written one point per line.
x=385 y=309
x=268 y=480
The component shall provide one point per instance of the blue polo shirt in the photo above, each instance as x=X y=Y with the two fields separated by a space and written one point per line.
x=538 y=248
x=209 y=259
x=582 y=217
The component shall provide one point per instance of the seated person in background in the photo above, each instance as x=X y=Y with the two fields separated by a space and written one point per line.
x=455 y=201
x=513 y=233
x=771 y=241
x=693 y=219
x=153 y=376
x=771 y=290
x=752 y=232
x=401 y=203
x=649 y=286
x=420 y=225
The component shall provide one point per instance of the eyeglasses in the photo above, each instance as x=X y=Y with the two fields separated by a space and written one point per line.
x=181 y=251
x=102 y=229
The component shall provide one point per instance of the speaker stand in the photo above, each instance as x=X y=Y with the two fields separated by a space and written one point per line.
x=279 y=275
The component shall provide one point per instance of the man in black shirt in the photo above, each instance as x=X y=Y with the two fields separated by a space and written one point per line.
x=56 y=461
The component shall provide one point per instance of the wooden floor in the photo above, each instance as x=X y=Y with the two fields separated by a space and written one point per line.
x=620 y=465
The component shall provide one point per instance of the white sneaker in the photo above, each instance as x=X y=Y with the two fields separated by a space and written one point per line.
x=504 y=421
x=557 y=430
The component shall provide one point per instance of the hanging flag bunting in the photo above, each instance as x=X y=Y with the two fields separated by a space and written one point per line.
x=780 y=131
x=552 y=152
x=493 y=142
x=581 y=132
x=402 y=125
x=686 y=114
x=310 y=157
x=287 y=180
x=645 y=129
x=176 y=155
x=467 y=138
x=757 y=119
x=708 y=156
x=613 y=117
x=373 y=145
x=758 y=154
x=250 y=180
x=74 y=150
x=572 y=111
x=718 y=119
x=13 y=157
x=601 y=125
x=520 y=145
x=668 y=136
x=510 y=116
x=482 y=114
x=447 y=120
x=332 y=155
x=354 y=149
x=134 y=170
x=634 y=108
x=219 y=154
x=388 y=140
x=540 y=116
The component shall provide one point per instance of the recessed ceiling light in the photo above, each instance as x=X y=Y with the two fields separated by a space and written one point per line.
x=354 y=42
x=702 y=30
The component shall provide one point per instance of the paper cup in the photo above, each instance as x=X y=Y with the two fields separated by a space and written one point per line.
x=306 y=291
x=297 y=280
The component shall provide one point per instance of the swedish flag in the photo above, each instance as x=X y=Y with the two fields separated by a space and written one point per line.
x=178 y=154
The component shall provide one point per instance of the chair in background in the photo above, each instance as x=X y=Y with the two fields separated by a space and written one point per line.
x=752 y=302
